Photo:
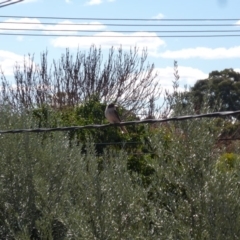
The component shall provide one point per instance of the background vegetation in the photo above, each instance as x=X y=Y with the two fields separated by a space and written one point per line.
x=161 y=181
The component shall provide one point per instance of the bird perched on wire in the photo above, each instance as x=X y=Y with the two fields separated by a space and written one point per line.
x=112 y=116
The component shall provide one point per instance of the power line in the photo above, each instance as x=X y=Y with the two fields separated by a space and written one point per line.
x=158 y=30
x=124 y=19
x=124 y=25
x=179 y=118
x=118 y=31
x=117 y=36
x=4 y=2
x=8 y=2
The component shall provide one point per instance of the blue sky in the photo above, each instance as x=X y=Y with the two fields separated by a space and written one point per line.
x=196 y=56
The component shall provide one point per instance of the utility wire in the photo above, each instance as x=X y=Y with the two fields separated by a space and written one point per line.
x=118 y=31
x=8 y=2
x=180 y=118
x=158 y=30
x=123 y=24
x=4 y=2
x=124 y=19
x=117 y=36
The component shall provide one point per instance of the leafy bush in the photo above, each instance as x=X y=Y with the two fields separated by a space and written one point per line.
x=175 y=183
x=228 y=162
x=49 y=190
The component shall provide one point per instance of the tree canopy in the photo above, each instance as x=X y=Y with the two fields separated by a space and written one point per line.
x=221 y=88
x=122 y=76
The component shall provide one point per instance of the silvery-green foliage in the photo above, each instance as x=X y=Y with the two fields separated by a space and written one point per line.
x=192 y=199
x=51 y=190
x=55 y=191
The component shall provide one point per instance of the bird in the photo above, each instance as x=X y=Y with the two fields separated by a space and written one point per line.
x=112 y=116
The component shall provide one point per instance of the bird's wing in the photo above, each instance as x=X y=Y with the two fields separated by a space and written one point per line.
x=116 y=113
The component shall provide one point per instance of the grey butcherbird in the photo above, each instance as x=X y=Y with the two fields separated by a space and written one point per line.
x=112 y=116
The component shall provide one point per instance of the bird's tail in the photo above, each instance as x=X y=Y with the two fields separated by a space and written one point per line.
x=124 y=130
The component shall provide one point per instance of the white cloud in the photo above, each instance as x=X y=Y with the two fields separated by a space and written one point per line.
x=105 y=39
x=109 y=39
x=8 y=60
x=66 y=25
x=57 y=28
x=159 y=16
x=94 y=2
x=20 y=38
x=202 y=52
x=28 y=1
x=68 y=1
x=20 y=24
x=237 y=70
x=238 y=22
x=188 y=76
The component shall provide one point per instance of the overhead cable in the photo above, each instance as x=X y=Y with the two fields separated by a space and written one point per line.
x=121 y=36
x=97 y=126
x=9 y=2
x=117 y=31
x=123 y=24
x=124 y=19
